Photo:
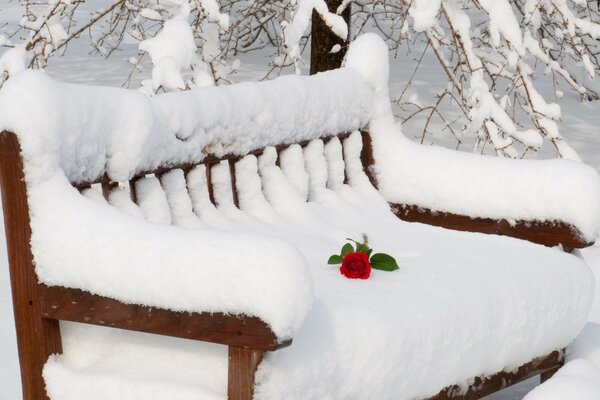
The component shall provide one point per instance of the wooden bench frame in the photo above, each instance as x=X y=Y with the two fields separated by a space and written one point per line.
x=39 y=308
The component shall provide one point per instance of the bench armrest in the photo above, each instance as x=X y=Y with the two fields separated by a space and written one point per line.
x=549 y=202
x=101 y=250
x=547 y=233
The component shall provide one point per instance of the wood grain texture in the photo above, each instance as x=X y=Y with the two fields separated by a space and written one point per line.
x=482 y=387
x=37 y=338
x=547 y=233
x=241 y=372
x=234 y=330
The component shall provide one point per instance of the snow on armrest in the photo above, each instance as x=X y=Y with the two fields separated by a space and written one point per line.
x=466 y=184
x=487 y=187
x=84 y=244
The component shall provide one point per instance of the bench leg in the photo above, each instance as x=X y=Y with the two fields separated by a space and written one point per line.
x=242 y=368
x=37 y=339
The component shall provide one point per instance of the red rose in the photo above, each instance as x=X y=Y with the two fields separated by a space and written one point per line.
x=356 y=266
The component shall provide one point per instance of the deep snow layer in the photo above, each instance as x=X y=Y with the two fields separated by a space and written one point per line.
x=280 y=198
x=82 y=243
x=87 y=129
x=465 y=183
x=482 y=302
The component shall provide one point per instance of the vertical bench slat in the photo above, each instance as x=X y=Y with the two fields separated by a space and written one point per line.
x=132 y=190
x=234 y=193
x=366 y=157
x=343 y=142
x=37 y=337
x=209 y=186
x=107 y=187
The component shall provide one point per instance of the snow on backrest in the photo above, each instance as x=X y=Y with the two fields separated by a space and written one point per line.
x=269 y=179
x=89 y=131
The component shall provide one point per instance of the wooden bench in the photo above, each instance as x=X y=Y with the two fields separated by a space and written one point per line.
x=39 y=308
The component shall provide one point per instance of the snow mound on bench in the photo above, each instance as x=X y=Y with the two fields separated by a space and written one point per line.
x=470 y=184
x=81 y=243
x=74 y=133
x=461 y=305
x=86 y=130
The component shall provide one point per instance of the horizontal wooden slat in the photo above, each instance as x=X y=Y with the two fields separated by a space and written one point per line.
x=234 y=330
x=485 y=386
x=208 y=159
x=548 y=233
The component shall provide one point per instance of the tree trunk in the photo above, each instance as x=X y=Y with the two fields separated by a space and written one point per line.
x=323 y=39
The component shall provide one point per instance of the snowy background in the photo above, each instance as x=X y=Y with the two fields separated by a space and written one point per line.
x=579 y=126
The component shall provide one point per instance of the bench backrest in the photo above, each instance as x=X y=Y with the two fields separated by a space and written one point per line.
x=106 y=184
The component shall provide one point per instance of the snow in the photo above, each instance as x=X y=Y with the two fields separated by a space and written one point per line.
x=466 y=183
x=161 y=265
x=429 y=304
x=13 y=60
x=579 y=379
x=104 y=363
x=152 y=200
x=89 y=128
x=171 y=50
x=485 y=186
x=423 y=13
x=293 y=31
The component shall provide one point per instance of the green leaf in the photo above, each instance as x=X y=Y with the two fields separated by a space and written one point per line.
x=383 y=262
x=347 y=249
x=364 y=248
x=335 y=259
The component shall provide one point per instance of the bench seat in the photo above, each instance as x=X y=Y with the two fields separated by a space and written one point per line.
x=461 y=305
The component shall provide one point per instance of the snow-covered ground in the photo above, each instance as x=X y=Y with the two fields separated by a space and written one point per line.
x=580 y=121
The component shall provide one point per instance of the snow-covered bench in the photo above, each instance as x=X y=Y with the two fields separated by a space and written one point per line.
x=210 y=237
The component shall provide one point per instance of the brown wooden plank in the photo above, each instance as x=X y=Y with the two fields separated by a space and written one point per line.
x=234 y=330
x=366 y=157
x=206 y=160
x=37 y=338
x=482 y=387
x=133 y=190
x=548 y=233
x=241 y=373
x=343 y=143
x=209 y=186
x=107 y=186
x=232 y=174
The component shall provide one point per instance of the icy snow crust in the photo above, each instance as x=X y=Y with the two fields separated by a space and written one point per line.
x=462 y=305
